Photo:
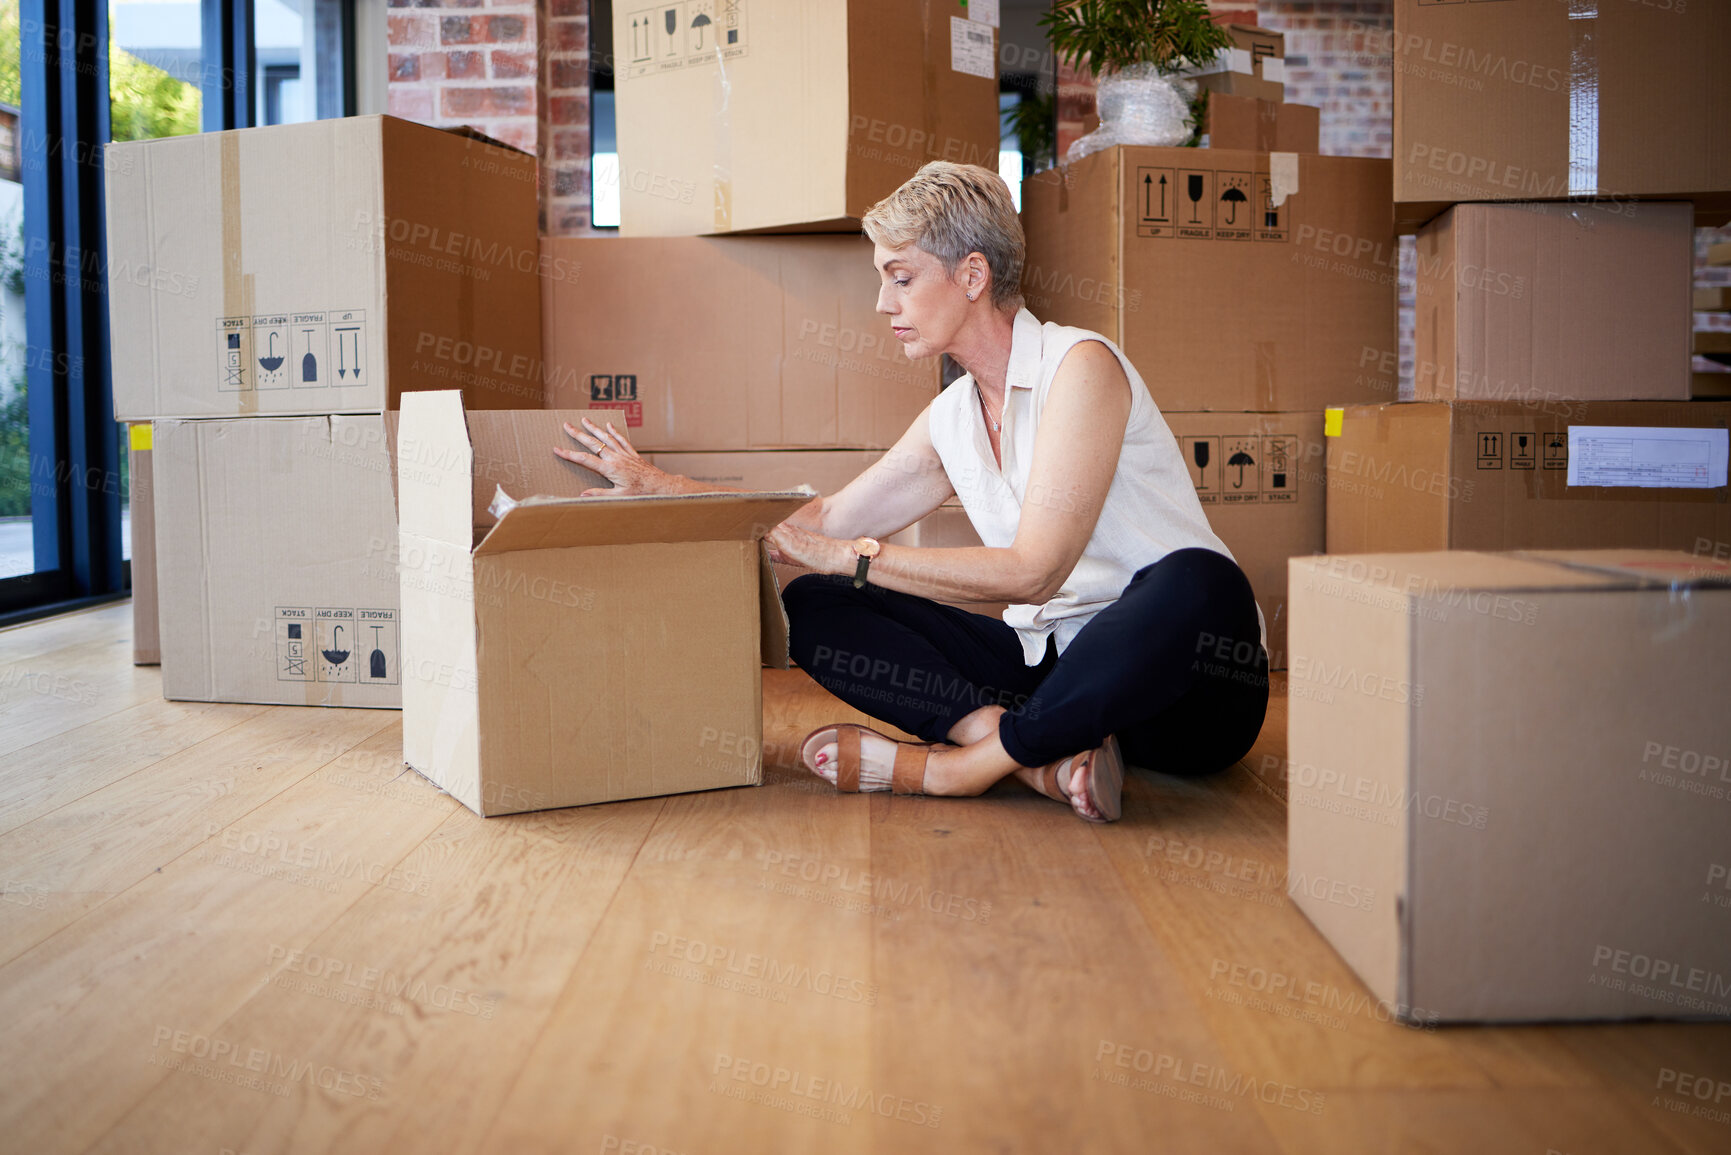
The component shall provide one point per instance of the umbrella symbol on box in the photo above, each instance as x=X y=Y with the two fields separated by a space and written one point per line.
x=1233 y=196
x=333 y=656
x=700 y=22
x=273 y=362
x=1240 y=459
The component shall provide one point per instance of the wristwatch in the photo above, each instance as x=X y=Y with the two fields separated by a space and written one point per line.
x=864 y=548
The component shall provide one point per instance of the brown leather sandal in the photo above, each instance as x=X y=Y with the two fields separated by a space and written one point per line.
x=1103 y=770
x=907 y=777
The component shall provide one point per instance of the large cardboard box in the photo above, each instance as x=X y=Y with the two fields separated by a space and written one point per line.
x=276 y=576
x=320 y=268
x=141 y=485
x=1509 y=795
x=1252 y=125
x=1240 y=281
x=1529 y=302
x=730 y=343
x=1561 y=475
x=1538 y=100
x=571 y=650
x=785 y=114
x=1262 y=482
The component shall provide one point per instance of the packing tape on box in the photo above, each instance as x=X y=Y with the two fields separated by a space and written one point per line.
x=139 y=437
x=929 y=79
x=721 y=119
x=237 y=287
x=1282 y=176
x=1583 y=97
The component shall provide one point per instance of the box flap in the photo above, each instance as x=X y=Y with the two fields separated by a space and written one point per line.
x=513 y=451
x=1644 y=568
x=564 y=522
x=434 y=465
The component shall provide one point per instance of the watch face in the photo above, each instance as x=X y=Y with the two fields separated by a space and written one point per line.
x=867 y=547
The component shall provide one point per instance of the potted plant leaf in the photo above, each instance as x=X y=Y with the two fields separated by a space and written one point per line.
x=1135 y=48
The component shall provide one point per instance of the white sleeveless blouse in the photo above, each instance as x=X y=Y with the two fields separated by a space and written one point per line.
x=1151 y=508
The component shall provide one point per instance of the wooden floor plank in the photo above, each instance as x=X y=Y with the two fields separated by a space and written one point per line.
x=447 y=989
x=771 y=969
x=49 y=693
x=1121 y=1041
x=71 y=860
x=173 y=957
x=718 y=962
x=48 y=774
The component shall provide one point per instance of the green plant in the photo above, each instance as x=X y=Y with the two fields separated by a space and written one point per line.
x=145 y=102
x=1109 y=35
x=14 y=450
x=1034 y=120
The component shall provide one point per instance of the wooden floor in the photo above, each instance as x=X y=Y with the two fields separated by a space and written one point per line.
x=247 y=929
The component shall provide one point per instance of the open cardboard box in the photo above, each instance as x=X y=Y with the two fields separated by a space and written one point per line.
x=571 y=650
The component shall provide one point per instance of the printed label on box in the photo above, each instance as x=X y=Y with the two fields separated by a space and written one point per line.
x=327 y=644
x=1240 y=468
x=683 y=34
x=1648 y=457
x=971 y=49
x=291 y=351
x=1203 y=205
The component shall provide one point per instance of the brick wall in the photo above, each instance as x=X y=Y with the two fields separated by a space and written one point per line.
x=517 y=70
x=458 y=62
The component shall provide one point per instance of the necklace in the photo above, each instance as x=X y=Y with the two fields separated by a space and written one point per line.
x=986 y=408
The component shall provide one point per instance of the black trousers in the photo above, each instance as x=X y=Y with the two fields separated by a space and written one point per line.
x=1174 y=667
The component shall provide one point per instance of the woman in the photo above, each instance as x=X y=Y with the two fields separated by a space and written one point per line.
x=1126 y=608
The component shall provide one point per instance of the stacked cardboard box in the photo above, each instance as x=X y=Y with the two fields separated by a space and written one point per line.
x=1533 y=100
x=781 y=115
x=1508 y=780
x=759 y=361
x=1552 y=380
x=275 y=291
x=1250 y=289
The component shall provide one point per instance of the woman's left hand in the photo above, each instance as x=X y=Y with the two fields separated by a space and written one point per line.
x=793 y=545
x=613 y=457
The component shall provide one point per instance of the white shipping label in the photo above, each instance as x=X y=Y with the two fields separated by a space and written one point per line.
x=983 y=11
x=1648 y=457
x=971 y=48
x=1274 y=69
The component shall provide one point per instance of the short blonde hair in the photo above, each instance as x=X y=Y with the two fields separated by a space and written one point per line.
x=951 y=210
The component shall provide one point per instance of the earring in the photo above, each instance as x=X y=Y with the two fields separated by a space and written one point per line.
x=970 y=296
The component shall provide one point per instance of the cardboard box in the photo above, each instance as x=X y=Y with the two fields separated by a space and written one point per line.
x=1533 y=302
x=1495 y=476
x=276 y=577
x=782 y=114
x=1252 y=125
x=141 y=486
x=1535 y=100
x=1261 y=480
x=730 y=343
x=575 y=650
x=1508 y=782
x=320 y=268
x=1243 y=86
x=1273 y=291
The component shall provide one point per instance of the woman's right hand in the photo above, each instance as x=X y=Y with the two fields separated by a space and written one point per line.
x=613 y=457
